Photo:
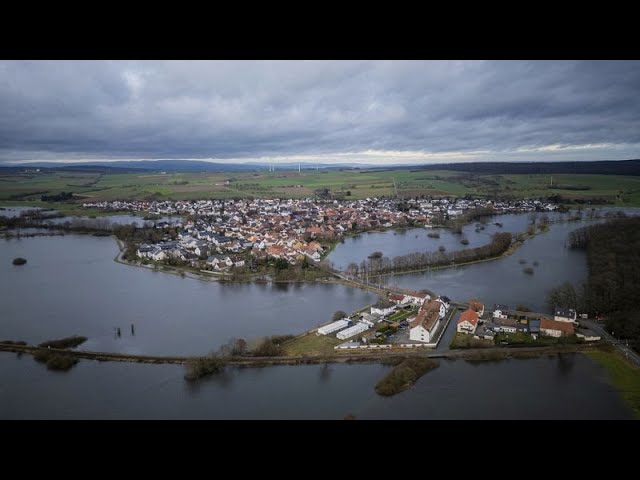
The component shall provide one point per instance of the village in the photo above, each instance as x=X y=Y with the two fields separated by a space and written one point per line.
x=414 y=320
x=219 y=234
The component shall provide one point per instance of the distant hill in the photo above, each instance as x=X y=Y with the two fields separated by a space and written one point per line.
x=608 y=167
x=167 y=166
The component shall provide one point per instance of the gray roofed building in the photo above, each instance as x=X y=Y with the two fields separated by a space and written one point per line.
x=564 y=314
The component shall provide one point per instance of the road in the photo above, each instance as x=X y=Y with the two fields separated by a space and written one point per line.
x=624 y=349
x=382 y=288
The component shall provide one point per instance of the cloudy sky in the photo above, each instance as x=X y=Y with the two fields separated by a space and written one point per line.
x=372 y=112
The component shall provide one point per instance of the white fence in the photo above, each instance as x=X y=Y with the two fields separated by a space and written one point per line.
x=385 y=346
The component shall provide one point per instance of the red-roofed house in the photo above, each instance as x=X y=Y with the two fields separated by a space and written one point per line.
x=553 y=328
x=396 y=298
x=468 y=321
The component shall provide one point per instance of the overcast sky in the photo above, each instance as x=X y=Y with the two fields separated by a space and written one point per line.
x=317 y=111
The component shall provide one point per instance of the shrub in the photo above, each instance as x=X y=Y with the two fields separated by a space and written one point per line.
x=404 y=375
x=13 y=342
x=203 y=366
x=338 y=315
x=271 y=346
x=68 y=342
x=61 y=362
x=522 y=308
x=42 y=356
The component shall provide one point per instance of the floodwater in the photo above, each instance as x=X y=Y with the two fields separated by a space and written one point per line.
x=567 y=387
x=71 y=285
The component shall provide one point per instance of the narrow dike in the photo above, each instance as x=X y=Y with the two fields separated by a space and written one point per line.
x=373 y=357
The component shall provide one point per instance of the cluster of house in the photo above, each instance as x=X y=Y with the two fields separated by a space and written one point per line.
x=288 y=229
x=460 y=206
x=418 y=209
x=422 y=326
x=505 y=320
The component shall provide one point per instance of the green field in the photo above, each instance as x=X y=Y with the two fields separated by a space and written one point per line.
x=624 y=376
x=599 y=189
x=311 y=344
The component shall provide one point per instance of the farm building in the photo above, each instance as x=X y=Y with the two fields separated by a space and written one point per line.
x=333 y=327
x=351 y=331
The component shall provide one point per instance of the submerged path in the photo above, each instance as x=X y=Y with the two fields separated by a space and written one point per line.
x=496 y=353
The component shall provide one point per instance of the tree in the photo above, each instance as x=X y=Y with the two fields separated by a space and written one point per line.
x=563 y=296
x=352 y=268
x=281 y=264
x=338 y=315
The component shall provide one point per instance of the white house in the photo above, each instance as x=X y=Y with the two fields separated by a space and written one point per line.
x=504 y=329
x=382 y=308
x=157 y=254
x=500 y=311
x=445 y=301
x=564 y=315
x=145 y=250
x=468 y=322
x=417 y=298
x=219 y=262
x=238 y=262
x=371 y=319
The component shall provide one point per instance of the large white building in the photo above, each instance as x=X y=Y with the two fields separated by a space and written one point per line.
x=425 y=324
x=333 y=327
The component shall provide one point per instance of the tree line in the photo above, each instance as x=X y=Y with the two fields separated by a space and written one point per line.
x=500 y=242
x=612 y=288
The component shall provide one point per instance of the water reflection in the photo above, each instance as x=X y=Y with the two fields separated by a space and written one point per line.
x=565 y=364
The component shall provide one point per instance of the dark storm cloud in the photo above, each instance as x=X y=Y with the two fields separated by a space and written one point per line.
x=252 y=109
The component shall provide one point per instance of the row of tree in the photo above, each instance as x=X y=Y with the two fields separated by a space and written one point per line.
x=376 y=265
x=60 y=197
